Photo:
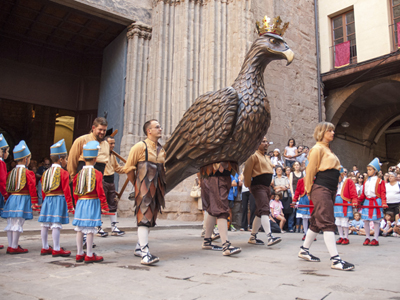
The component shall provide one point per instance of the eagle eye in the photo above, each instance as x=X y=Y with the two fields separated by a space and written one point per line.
x=272 y=41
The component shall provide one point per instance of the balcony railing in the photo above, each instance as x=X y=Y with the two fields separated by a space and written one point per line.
x=353 y=55
x=393 y=32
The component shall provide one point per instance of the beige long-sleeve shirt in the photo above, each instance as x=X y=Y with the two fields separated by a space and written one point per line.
x=320 y=158
x=138 y=153
x=76 y=152
x=113 y=166
x=256 y=165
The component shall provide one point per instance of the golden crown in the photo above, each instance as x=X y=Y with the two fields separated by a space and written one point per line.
x=272 y=27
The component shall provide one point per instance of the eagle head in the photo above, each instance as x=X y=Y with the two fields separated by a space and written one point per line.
x=274 y=47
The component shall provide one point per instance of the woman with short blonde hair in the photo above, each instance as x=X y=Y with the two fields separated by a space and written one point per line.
x=321 y=183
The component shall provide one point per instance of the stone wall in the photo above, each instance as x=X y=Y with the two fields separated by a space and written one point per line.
x=198 y=46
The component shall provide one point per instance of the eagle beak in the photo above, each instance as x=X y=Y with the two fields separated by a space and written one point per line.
x=289 y=55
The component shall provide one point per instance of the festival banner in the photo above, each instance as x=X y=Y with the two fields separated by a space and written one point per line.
x=342 y=54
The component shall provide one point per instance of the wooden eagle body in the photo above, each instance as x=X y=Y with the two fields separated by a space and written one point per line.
x=228 y=124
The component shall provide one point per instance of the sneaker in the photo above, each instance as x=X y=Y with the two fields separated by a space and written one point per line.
x=203 y=233
x=93 y=259
x=273 y=240
x=339 y=241
x=366 y=242
x=149 y=259
x=208 y=246
x=18 y=250
x=306 y=255
x=374 y=243
x=101 y=232
x=61 y=252
x=345 y=241
x=229 y=250
x=232 y=228
x=115 y=231
x=48 y=251
x=80 y=258
x=254 y=241
x=138 y=250
x=339 y=264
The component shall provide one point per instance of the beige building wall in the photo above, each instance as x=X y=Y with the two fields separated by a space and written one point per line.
x=372 y=20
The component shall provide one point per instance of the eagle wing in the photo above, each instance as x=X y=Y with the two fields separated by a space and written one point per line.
x=205 y=127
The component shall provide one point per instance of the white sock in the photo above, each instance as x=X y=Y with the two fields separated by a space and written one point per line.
x=205 y=220
x=330 y=242
x=346 y=232
x=310 y=237
x=367 y=229
x=89 y=244
x=143 y=234
x=210 y=222
x=265 y=224
x=79 y=242
x=44 y=232
x=256 y=225
x=56 y=238
x=15 y=239
x=113 y=218
x=376 y=229
x=10 y=238
x=305 y=225
x=223 y=229
x=340 y=229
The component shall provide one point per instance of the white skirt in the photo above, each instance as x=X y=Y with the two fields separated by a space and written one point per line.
x=343 y=222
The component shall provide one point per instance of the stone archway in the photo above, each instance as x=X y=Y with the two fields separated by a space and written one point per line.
x=367 y=119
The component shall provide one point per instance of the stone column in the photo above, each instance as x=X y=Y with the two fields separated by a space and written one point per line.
x=135 y=102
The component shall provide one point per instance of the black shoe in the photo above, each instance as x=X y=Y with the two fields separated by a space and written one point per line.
x=101 y=232
x=306 y=255
x=115 y=231
x=208 y=246
x=254 y=241
x=227 y=249
x=339 y=264
x=273 y=240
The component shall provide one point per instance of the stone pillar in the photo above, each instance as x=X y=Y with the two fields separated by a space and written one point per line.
x=135 y=102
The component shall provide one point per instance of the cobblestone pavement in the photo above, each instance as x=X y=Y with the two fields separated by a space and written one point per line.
x=187 y=272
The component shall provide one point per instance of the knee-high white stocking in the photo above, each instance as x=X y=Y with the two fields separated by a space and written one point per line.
x=265 y=224
x=15 y=239
x=44 y=233
x=376 y=230
x=210 y=223
x=223 y=229
x=256 y=225
x=10 y=238
x=346 y=232
x=310 y=237
x=143 y=234
x=330 y=242
x=340 y=229
x=56 y=238
x=89 y=244
x=305 y=225
x=367 y=229
x=79 y=242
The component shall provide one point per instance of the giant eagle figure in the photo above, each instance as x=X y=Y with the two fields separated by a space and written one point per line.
x=228 y=125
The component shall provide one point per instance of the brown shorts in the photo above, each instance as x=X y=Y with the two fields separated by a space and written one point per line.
x=262 y=194
x=214 y=196
x=109 y=190
x=322 y=217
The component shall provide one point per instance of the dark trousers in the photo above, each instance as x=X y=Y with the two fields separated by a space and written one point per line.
x=393 y=207
x=109 y=191
x=247 y=198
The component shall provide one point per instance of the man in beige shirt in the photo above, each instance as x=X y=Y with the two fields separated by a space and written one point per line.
x=75 y=157
x=109 y=186
x=258 y=170
x=146 y=171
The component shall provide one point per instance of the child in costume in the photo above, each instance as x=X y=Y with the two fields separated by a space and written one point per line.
x=374 y=194
x=57 y=200
x=3 y=173
x=300 y=196
x=21 y=186
x=91 y=201
x=346 y=193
